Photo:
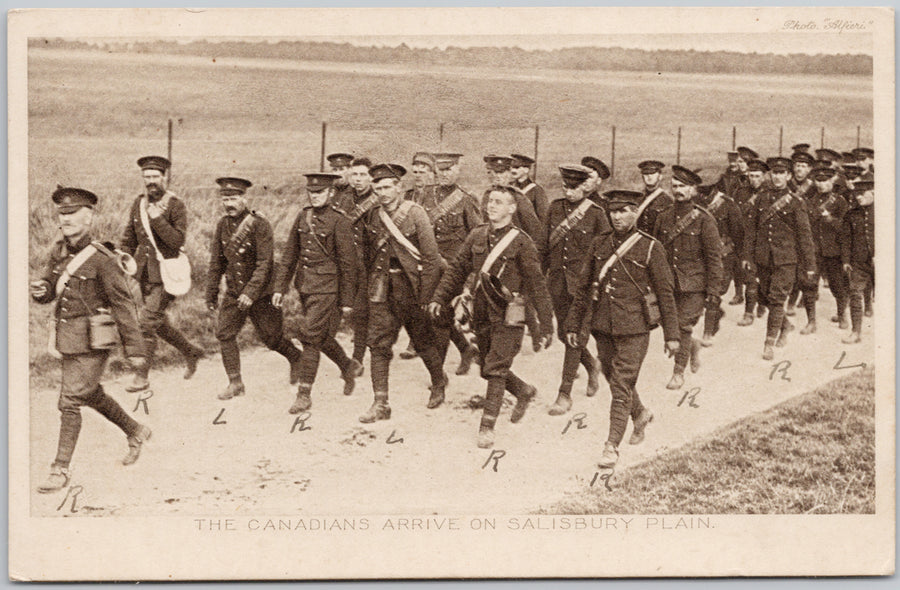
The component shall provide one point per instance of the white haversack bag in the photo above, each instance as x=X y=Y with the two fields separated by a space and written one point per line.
x=176 y=274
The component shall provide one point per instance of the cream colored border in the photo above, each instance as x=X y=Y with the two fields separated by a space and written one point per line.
x=171 y=548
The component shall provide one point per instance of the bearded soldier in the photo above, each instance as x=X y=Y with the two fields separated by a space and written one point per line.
x=777 y=240
x=157 y=224
x=242 y=251
x=321 y=258
x=572 y=224
x=85 y=280
x=693 y=247
x=508 y=270
x=612 y=303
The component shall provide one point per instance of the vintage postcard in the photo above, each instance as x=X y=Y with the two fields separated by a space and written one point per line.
x=369 y=293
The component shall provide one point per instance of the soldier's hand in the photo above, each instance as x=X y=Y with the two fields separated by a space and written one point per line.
x=138 y=363
x=244 y=302
x=276 y=300
x=547 y=340
x=434 y=309
x=848 y=269
x=572 y=340
x=38 y=289
x=672 y=347
x=346 y=310
x=747 y=265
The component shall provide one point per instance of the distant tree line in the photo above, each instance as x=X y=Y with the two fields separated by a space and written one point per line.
x=574 y=58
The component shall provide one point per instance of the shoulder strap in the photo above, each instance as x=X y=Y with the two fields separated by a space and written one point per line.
x=394 y=231
x=571 y=220
x=312 y=231
x=528 y=187
x=447 y=205
x=716 y=202
x=778 y=205
x=363 y=208
x=499 y=249
x=73 y=266
x=623 y=249
x=145 y=221
x=683 y=224
x=649 y=199
x=240 y=233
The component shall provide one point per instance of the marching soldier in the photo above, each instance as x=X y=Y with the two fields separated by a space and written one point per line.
x=94 y=308
x=827 y=158
x=733 y=178
x=157 y=223
x=611 y=302
x=801 y=184
x=827 y=207
x=865 y=159
x=599 y=172
x=858 y=252
x=343 y=192
x=403 y=266
x=508 y=270
x=692 y=244
x=746 y=198
x=777 y=239
x=572 y=224
x=242 y=251
x=657 y=199
x=520 y=167
x=730 y=224
x=453 y=214
x=321 y=257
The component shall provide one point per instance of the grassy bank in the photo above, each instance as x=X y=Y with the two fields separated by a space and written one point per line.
x=814 y=454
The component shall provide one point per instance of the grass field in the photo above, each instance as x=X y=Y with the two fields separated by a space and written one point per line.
x=814 y=454
x=90 y=117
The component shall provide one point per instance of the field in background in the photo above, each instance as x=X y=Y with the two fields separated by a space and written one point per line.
x=91 y=118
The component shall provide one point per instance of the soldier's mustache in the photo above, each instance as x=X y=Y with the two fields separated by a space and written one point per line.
x=154 y=190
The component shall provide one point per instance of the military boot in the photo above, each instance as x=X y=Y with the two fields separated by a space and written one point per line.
x=465 y=360
x=191 y=358
x=235 y=389
x=134 y=444
x=852 y=338
x=303 y=401
x=768 y=350
x=593 y=384
x=57 y=480
x=349 y=376
x=747 y=320
x=380 y=410
x=640 y=424
x=485 y=437
x=522 y=401
x=786 y=329
x=610 y=456
x=409 y=353
x=140 y=381
x=676 y=382
x=562 y=404
x=437 y=393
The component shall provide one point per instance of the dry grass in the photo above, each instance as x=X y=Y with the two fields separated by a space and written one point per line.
x=814 y=454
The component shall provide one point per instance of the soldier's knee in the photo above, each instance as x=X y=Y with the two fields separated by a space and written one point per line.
x=69 y=403
x=381 y=351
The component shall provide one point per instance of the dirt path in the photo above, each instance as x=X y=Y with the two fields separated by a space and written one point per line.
x=251 y=463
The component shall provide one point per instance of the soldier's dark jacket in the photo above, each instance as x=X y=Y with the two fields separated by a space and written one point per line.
x=731 y=181
x=524 y=218
x=618 y=309
x=97 y=283
x=661 y=202
x=169 y=231
x=694 y=254
x=782 y=238
x=564 y=261
x=858 y=238
x=424 y=275
x=826 y=229
x=343 y=198
x=324 y=261
x=729 y=222
x=451 y=229
x=246 y=263
x=801 y=189
x=536 y=196
x=518 y=269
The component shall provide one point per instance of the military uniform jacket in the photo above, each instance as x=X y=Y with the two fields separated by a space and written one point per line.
x=745 y=197
x=97 y=283
x=858 y=237
x=729 y=222
x=802 y=189
x=169 y=231
x=618 y=309
x=343 y=198
x=647 y=220
x=524 y=218
x=321 y=259
x=826 y=229
x=695 y=254
x=599 y=200
x=451 y=229
x=563 y=261
x=781 y=238
x=536 y=196
x=731 y=181
x=245 y=260
x=416 y=227
x=518 y=269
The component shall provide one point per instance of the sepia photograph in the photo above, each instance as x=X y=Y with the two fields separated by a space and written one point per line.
x=393 y=293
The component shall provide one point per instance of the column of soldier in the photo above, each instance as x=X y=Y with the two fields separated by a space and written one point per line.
x=445 y=265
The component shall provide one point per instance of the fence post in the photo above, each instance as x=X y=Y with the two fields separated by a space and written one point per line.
x=822 y=140
x=857 y=136
x=612 y=156
x=537 y=133
x=322 y=153
x=169 y=152
x=441 y=136
x=733 y=138
x=780 y=139
x=678 y=150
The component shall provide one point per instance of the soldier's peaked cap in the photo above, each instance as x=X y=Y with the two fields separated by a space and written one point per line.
x=498 y=163
x=747 y=154
x=382 y=171
x=319 y=181
x=520 y=161
x=69 y=200
x=823 y=173
x=573 y=175
x=863 y=152
x=804 y=157
x=617 y=199
x=778 y=164
x=445 y=160
x=828 y=155
x=862 y=186
x=229 y=185
x=800 y=147
x=339 y=159
x=686 y=175
x=732 y=156
x=651 y=166
x=852 y=170
x=497 y=293
x=757 y=166
x=426 y=158
x=597 y=165
x=154 y=163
